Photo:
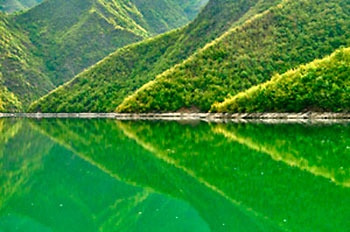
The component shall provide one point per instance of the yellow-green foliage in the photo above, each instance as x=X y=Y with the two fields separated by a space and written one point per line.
x=104 y=86
x=285 y=36
x=320 y=85
x=8 y=101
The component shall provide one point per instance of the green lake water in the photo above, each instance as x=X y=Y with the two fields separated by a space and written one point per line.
x=107 y=175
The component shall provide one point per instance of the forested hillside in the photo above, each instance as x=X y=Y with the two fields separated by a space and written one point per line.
x=17 y=5
x=19 y=68
x=293 y=33
x=8 y=101
x=104 y=86
x=52 y=42
x=322 y=85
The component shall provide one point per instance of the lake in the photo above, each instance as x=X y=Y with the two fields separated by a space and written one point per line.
x=187 y=176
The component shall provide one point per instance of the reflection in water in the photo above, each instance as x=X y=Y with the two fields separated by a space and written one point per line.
x=105 y=175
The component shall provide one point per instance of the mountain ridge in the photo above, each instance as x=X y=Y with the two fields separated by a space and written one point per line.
x=59 y=39
x=129 y=68
x=246 y=56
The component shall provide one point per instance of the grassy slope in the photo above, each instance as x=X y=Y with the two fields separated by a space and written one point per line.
x=104 y=86
x=294 y=33
x=321 y=85
x=17 y=5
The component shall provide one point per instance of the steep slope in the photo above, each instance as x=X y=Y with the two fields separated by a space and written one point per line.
x=19 y=69
x=290 y=34
x=322 y=85
x=50 y=43
x=104 y=86
x=72 y=35
x=162 y=15
x=16 y=5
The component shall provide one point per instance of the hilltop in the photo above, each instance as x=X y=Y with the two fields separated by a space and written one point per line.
x=281 y=38
x=52 y=42
x=103 y=87
x=322 y=85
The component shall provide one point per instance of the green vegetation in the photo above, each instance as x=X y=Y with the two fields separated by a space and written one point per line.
x=322 y=85
x=72 y=35
x=52 y=42
x=17 y=5
x=19 y=69
x=104 y=86
x=8 y=101
x=283 y=37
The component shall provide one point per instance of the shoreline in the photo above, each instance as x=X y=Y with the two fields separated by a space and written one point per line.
x=186 y=116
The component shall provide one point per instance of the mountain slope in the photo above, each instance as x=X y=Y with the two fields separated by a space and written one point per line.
x=293 y=33
x=16 y=5
x=72 y=35
x=53 y=41
x=19 y=69
x=104 y=86
x=321 y=85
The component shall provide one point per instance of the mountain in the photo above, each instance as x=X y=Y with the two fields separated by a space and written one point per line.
x=281 y=38
x=103 y=87
x=57 y=39
x=19 y=69
x=17 y=5
x=72 y=35
x=322 y=85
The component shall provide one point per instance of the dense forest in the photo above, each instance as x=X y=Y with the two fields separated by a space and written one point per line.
x=104 y=86
x=322 y=85
x=52 y=42
x=229 y=47
x=283 y=37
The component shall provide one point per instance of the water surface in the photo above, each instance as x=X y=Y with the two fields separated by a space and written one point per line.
x=106 y=175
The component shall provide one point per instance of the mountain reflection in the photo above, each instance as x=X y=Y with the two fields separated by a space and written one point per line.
x=107 y=175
